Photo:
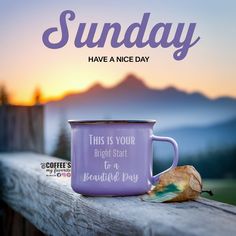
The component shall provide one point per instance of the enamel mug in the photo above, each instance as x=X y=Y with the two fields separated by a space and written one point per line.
x=114 y=157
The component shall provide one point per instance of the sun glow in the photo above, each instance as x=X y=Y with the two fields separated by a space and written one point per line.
x=29 y=64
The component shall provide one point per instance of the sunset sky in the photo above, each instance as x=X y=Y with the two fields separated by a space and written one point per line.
x=25 y=62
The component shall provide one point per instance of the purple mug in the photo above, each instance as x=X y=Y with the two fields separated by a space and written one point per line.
x=114 y=157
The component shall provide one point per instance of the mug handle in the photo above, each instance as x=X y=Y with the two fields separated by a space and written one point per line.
x=155 y=178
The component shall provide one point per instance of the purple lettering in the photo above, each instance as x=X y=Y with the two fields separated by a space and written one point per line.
x=64 y=31
x=186 y=44
x=158 y=36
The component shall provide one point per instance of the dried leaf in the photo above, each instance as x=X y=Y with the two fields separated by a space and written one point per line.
x=164 y=193
x=179 y=184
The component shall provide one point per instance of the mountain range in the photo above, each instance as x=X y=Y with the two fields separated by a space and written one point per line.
x=199 y=139
x=177 y=112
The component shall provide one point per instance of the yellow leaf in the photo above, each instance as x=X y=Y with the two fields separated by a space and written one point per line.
x=182 y=183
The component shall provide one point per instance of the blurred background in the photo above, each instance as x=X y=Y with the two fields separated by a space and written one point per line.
x=193 y=100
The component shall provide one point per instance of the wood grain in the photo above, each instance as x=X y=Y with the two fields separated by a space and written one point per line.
x=22 y=128
x=50 y=204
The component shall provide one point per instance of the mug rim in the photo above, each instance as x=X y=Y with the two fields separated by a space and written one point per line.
x=89 y=122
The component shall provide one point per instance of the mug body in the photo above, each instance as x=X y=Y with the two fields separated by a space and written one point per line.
x=111 y=157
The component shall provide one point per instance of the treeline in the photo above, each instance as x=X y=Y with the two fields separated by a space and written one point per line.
x=214 y=164
x=62 y=148
x=5 y=98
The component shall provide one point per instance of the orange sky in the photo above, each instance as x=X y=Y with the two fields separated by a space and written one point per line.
x=25 y=63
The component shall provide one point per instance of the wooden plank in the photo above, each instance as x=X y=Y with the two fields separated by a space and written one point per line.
x=51 y=205
x=14 y=224
x=22 y=128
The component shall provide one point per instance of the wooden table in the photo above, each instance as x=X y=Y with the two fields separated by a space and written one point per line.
x=50 y=204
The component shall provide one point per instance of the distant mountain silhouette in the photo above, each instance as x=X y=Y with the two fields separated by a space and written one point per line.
x=193 y=140
x=133 y=99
